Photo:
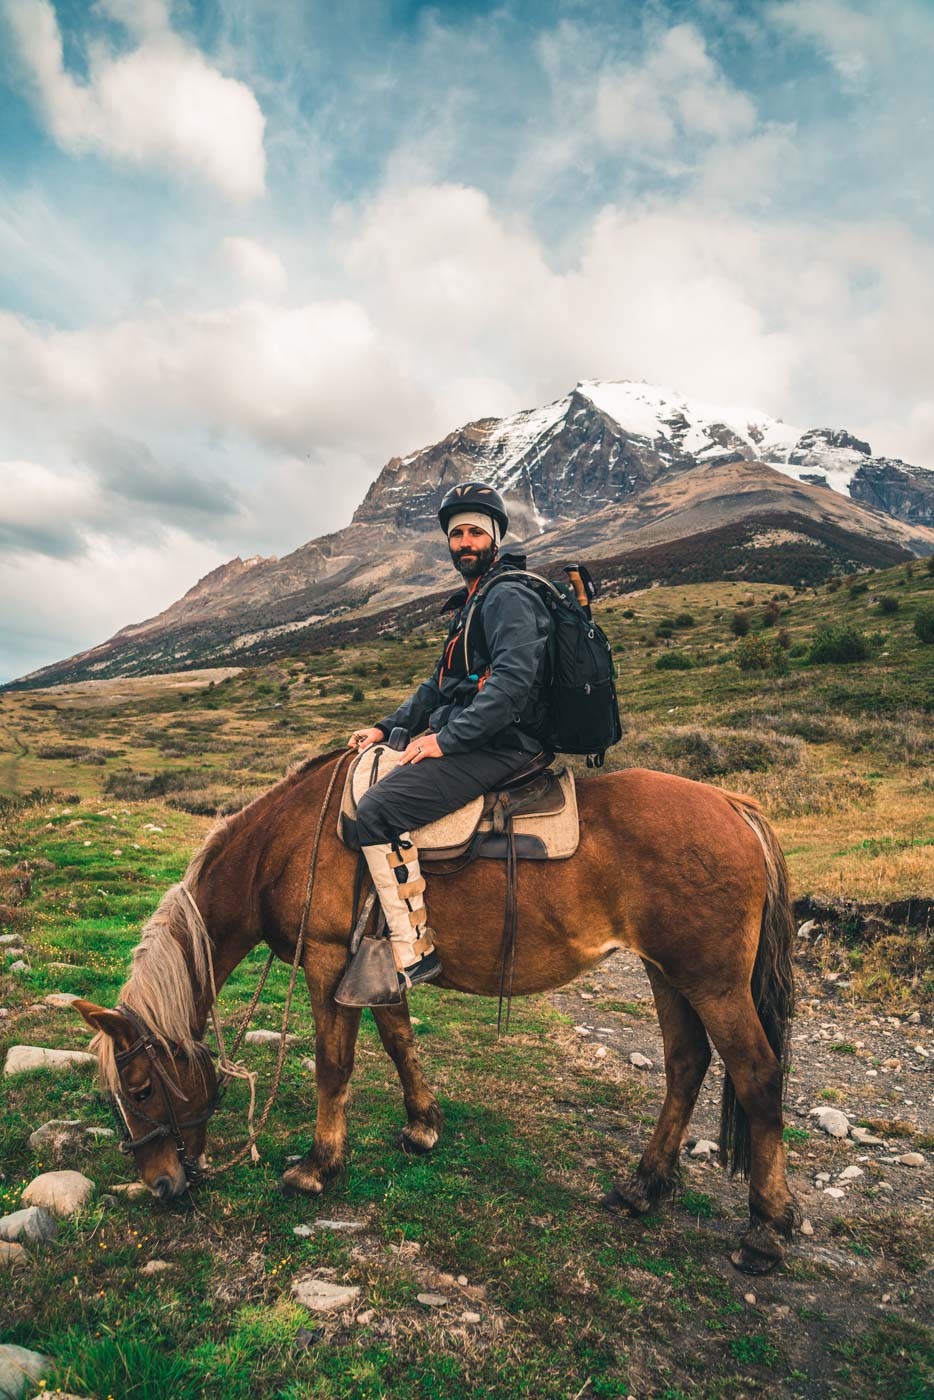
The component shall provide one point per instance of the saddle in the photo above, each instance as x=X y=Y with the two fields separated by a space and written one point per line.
x=535 y=813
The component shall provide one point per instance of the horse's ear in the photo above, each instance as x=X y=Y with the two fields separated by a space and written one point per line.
x=101 y=1018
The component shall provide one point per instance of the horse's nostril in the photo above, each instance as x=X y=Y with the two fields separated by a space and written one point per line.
x=163 y=1187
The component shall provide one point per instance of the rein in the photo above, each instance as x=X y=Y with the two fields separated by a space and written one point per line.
x=229 y=1069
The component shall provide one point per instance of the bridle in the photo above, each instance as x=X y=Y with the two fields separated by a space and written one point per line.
x=123 y=1109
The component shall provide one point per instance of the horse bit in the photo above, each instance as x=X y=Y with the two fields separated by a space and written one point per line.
x=145 y=1044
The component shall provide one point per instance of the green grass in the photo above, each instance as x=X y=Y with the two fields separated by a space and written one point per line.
x=572 y=1298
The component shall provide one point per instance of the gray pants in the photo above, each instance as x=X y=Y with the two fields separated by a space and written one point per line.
x=419 y=793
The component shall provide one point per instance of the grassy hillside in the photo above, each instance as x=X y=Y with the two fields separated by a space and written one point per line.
x=839 y=752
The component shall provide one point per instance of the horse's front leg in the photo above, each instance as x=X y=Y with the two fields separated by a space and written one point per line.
x=425 y=1119
x=336 y=1037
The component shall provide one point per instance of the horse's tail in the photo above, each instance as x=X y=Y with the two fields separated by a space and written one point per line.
x=773 y=988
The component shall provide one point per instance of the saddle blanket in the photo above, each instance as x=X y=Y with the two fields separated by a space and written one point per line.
x=544 y=815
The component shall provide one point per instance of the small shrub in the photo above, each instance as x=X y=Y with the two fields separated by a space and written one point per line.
x=357 y=695
x=628 y=612
x=771 y=615
x=674 y=661
x=783 y=638
x=740 y=624
x=924 y=622
x=839 y=646
x=798 y=650
x=888 y=603
x=857 y=587
x=385 y=683
x=833 y=583
x=684 y=619
x=929 y=564
x=754 y=654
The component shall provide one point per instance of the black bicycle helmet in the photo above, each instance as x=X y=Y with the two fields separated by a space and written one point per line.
x=474 y=495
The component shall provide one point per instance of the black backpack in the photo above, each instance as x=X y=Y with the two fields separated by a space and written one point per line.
x=583 y=711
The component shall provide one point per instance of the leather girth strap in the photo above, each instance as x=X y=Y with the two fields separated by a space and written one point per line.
x=510 y=922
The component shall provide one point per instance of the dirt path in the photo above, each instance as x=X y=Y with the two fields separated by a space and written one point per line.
x=867 y=1262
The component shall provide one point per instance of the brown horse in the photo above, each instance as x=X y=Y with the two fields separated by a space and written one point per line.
x=689 y=877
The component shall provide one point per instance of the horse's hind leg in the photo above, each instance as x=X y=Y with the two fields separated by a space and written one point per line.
x=737 y=1032
x=336 y=1030
x=687 y=1056
x=425 y=1119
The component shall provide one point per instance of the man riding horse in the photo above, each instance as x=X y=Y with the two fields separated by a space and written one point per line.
x=483 y=725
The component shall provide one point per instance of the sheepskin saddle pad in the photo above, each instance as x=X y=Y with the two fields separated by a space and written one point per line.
x=541 y=807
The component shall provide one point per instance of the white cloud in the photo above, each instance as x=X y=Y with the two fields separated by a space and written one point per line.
x=676 y=93
x=282 y=376
x=159 y=104
x=257 y=267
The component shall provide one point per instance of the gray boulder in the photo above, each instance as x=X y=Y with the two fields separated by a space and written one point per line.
x=21 y=1058
x=64 y=1193
x=18 y=1367
x=33 y=1225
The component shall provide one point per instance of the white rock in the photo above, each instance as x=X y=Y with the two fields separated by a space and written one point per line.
x=832 y=1121
x=431 y=1300
x=640 y=1061
x=470 y=1317
x=462 y=1280
x=19 y=1366
x=366 y=1317
x=22 y=1058
x=703 y=1147
x=309 y=1064
x=350 y=1225
x=318 y=1295
x=98 y=1133
x=834 y=1191
x=822 y=1176
x=64 y=1193
x=155 y=1266
x=133 y=1190
x=884 y=1186
x=8 y=940
x=60 y=999
x=34 y=1225
x=915 y=1018
x=865 y=1138
x=12 y=1256
x=749 y=1298
x=267 y=1038
x=850 y=1173
x=18 y=966
x=53 y=1133
x=582 y=1030
x=806 y=1227
x=910 y=1159
x=806 y=929
x=600 y=1053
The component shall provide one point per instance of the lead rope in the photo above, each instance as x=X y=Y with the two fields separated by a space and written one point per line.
x=238 y=1071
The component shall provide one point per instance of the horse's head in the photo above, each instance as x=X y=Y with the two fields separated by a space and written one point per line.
x=162 y=1096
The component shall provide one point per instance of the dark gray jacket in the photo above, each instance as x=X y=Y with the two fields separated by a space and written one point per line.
x=501 y=702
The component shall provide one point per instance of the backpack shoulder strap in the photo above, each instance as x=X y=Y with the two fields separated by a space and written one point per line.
x=484 y=589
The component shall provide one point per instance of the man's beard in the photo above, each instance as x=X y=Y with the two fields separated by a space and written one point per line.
x=476 y=565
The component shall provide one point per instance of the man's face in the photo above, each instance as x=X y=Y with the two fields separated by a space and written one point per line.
x=471 y=550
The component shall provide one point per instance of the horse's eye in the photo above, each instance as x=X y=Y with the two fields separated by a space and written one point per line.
x=141 y=1095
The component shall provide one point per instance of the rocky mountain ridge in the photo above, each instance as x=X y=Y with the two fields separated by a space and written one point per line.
x=610 y=467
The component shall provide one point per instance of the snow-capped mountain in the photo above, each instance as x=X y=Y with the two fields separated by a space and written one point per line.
x=605 y=440
x=609 y=470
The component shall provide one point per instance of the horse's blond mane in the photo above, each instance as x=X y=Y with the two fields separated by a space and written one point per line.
x=169 y=971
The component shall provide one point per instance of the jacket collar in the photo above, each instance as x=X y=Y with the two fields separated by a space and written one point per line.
x=503 y=561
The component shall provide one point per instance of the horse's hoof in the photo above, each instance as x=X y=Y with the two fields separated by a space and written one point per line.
x=418 y=1138
x=759 y=1252
x=629 y=1196
x=301 y=1180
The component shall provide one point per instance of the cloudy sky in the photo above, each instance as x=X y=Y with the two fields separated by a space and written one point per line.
x=250 y=249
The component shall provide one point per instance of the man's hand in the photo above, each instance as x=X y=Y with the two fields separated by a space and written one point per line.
x=425 y=747
x=363 y=738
